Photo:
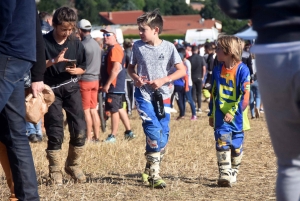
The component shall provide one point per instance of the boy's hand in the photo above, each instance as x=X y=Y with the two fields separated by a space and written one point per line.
x=61 y=56
x=228 y=118
x=155 y=84
x=139 y=82
x=71 y=69
x=211 y=121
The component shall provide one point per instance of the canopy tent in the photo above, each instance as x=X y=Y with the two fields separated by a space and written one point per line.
x=248 y=34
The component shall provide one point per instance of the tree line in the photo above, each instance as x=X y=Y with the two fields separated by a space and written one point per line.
x=89 y=9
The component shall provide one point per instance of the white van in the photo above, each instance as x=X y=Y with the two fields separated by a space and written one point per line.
x=199 y=36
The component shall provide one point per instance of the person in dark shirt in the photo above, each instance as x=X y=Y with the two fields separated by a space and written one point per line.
x=198 y=72
x=19 y=46
x=247 y=59
x=61 y=75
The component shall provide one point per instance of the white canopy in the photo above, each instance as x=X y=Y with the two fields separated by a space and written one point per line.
x=248 y=34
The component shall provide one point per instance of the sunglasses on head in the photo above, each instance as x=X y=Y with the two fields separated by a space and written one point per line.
x=107 y=34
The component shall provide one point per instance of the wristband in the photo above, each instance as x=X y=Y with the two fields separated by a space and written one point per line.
x=53 y=61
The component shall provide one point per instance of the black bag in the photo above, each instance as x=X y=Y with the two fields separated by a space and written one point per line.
x=158 y=104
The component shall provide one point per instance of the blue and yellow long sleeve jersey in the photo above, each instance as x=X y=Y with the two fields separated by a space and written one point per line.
x=230 y=94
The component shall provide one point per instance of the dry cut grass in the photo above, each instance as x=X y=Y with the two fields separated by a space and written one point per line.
x=189 y=167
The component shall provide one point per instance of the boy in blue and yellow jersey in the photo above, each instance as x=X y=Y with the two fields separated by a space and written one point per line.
x=229 y=98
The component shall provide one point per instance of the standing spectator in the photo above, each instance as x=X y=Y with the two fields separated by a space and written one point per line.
x=188 y=94
x=34 y=131
x=198 y=72
x=19 y=20
x=230 y=97
x=89 y=82
x=247 y=58
x=154 y=59
x=180 y=88
x=113 y=81
x=128 y=80
x=277 y=55
x=61 y=76
x=46 y=22
x=254 y=97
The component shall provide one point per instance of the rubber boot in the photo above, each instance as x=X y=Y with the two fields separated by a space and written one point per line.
x=72 y=166
x=235 y=165
x=155 y=181
x=224 y=163
x=54 y=158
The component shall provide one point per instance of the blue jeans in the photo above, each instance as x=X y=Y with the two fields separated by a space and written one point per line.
x=279 y=85
x=34 y=128
x=254 y=97
x=156 y=130
x=13 y=126
x=179 y=90
x=190 y=100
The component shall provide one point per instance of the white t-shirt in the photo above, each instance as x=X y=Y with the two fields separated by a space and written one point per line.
x=187 y=63
x=154 y=62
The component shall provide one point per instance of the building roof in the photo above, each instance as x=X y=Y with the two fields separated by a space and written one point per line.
x=175 y=24
x=122 y=17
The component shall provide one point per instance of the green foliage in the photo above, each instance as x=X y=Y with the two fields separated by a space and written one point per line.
x=87 y=9
x=229 y=25
x=164 y=37
x=168 y=7
x=50 y=6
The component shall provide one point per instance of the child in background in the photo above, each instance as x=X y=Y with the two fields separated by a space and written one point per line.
x=62 y=76
x=229 y=98
x=154 y=59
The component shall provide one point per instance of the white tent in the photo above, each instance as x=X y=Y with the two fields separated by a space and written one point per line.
x=248 y=34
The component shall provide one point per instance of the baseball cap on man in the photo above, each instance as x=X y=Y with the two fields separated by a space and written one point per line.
x=84 y=24
x=109 y=29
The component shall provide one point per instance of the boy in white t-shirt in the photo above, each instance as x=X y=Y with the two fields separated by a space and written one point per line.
x=154 y=59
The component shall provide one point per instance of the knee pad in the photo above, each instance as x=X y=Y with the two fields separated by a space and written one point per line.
x=235 y=152
x=77 y=138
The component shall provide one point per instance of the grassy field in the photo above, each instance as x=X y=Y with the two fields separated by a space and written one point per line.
x=189 y=167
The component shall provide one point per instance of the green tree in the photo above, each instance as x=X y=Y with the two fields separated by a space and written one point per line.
x=103 y=5
x=169 y=7
x=229 y=25
x=87 y=9
x=179 y=7
x=49 y=6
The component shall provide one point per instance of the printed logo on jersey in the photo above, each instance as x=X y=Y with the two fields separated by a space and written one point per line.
x=161 y=56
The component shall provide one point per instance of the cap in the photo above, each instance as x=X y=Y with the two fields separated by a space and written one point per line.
x=109 y=29
x=84 y=24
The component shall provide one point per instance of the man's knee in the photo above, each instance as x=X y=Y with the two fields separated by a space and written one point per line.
x=54 y=143
x=77 y=138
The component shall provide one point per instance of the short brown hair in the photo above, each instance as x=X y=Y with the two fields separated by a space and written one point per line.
x=231 y=45
x=152 y=19
x=64 y=14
